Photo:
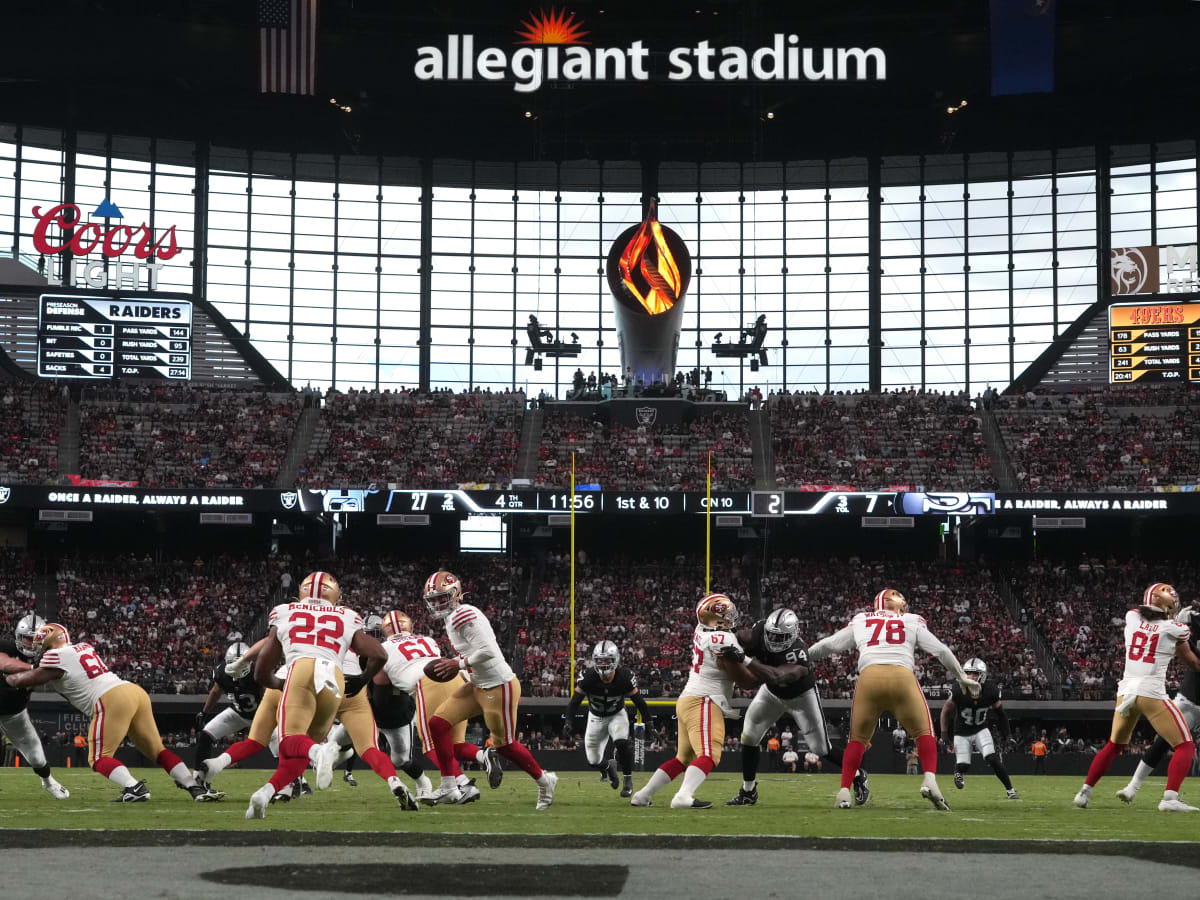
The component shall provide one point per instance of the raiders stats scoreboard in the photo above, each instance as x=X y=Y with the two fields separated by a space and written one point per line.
x=1154 y=342
x=114 y=337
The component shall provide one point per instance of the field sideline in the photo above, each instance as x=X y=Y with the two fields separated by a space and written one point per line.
x=794 y=805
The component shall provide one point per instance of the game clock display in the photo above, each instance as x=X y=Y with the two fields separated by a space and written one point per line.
x=134 y=336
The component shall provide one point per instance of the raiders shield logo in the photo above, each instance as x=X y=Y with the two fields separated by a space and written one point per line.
x=5 y=493
x=646 y=415
x=288 y=499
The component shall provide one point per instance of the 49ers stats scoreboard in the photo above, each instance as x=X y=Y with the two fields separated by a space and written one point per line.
x=1154 y=342
x=114 y=337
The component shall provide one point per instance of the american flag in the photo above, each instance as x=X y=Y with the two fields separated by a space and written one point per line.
x=287 y=40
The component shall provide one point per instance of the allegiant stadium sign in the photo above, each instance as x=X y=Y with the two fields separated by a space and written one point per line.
x=557 y=53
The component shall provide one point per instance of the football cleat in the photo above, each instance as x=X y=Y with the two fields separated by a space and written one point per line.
x=744 y=797
x=305 y=788
x=468 y=794
x=491 y=762
x=404 y=798
x=204 y=794
x=1012 y=794
x=54 y=789
x=138 y=793
x=1175 y=805
x=447 y=793
x=931 y=793
x=678 y=802
x=610 y=773
x=960 y=780
x=843 y=799
x=627 y=786
x=1127 y=794
x=861 y=787
x=1081 y=799
x=638 y=800
x=349 y=778
x=208 y=769
x=546 y=785
x=259 y=801
x=321 y=756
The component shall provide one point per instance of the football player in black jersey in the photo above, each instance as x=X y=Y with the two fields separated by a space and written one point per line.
x=779 y=660
x=605 y=686
x=15 y=724
x=244 y=693
x=1188 y=703
x=966 y=720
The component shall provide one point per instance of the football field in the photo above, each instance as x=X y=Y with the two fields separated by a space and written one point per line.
x=355 y=841
x=789 y=805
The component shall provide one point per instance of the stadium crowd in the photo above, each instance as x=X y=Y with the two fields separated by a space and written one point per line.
x=179 y=436
x=918 y=440
x=660 y=457
x=1080 y=610
x=435 y=440
x=30 y=420
x=1087 y=445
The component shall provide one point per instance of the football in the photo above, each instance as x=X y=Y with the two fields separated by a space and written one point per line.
x=439 y=671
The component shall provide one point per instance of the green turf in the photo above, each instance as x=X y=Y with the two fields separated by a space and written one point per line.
x=799 y=805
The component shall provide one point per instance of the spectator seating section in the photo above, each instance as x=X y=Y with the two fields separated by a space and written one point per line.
x=651 y=458
x=424 y=440
x=178 y=436
x=30 y=420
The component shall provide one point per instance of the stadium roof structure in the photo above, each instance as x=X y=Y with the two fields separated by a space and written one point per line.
x=1125 y=70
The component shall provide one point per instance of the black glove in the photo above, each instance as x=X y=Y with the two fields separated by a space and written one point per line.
x=734 y=653
x=568 y=727
x=201 y=719
x=354 y=684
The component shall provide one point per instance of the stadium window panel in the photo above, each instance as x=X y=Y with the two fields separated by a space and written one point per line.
x=356 y=376
x=399 y=360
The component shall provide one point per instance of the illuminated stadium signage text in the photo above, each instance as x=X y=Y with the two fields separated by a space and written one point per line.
x=565 y=59
x=115 y=270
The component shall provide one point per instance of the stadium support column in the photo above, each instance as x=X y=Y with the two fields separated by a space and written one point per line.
x=874 y=274
x=1103 y=225
x=426 y=282
x=200 y=222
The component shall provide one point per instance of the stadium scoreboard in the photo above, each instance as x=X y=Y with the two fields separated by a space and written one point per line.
x=1154 y=342
x=133 y=336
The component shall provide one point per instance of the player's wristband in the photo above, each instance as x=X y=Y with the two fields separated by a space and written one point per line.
x=462 y=664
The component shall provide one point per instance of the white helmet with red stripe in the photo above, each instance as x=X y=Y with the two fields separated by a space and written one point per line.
x=396 y=622
x=321 y=588
x=443 y=592
x=890 y=600
x=49 y=636
x=716 y=611
x=1161 y=597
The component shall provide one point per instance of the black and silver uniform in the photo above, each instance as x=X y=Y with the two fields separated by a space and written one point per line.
x=392 y=708
x=974 y=715
x=795 y=654
x=245 y=692
x=12 y=700
x=606 y=698
x=1189 y=685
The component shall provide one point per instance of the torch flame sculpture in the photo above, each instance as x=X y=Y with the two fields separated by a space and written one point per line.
x=649 y=268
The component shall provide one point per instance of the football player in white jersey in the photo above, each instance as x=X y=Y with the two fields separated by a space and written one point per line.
x=312 y=635
x=118 y=709
x=1152 y=640
x=717 y=664
x=887 y=638
x=408 y=656
x=491 y=689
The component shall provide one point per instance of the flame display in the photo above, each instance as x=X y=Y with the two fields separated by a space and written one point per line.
x=554 y=27
x=648 y=268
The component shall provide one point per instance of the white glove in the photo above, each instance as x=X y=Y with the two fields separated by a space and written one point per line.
x=973 y=688
x=237 y=669
x=1127 y=705
x=1185 y=615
